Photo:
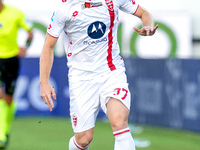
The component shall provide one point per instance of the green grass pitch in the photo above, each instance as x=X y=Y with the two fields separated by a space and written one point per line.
x=50 y=133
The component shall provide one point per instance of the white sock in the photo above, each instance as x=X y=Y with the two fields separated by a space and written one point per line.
x=123 y=140
x=73 y=145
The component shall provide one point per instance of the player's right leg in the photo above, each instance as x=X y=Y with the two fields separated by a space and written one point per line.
x=84 y=107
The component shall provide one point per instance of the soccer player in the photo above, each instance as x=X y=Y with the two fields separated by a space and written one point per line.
x=11 y=19
x=97 y=76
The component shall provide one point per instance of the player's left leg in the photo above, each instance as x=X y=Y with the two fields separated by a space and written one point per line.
x=9 y=76
x=3 y=138
x=10 y=112
x=118 y=114
x=7 y=112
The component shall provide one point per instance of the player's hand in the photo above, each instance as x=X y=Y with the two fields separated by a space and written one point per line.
x=46 y=92
x=146 y=30
x=22 y=51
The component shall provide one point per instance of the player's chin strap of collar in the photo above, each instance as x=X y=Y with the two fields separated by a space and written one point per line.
x=91 y=4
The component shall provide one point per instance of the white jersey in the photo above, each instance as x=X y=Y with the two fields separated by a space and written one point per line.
x=90 y=40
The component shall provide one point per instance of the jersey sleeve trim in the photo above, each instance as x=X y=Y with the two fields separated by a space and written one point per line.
x=136 y=9
x=52 y=35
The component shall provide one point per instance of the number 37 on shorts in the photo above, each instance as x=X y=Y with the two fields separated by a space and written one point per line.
x=122 y=92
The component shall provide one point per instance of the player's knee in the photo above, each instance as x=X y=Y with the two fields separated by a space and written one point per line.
x=84 y=140
x=118 y=125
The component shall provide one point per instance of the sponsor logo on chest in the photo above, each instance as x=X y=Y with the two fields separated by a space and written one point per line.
x=96 y=30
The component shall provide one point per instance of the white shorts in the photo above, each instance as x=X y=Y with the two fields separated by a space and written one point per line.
x=87 y=97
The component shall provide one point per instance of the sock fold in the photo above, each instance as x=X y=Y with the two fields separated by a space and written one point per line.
x=123 y=140
x=73 y=145
x=115 y=133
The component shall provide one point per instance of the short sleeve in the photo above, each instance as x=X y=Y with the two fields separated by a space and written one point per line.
x=57 y=22
x=23 y=22
x=128 y=6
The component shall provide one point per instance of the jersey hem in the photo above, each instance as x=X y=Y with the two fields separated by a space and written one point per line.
x=88 y=128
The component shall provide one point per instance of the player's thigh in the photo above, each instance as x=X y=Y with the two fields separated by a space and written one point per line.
x=116 y=86
x=11 y=67
x=115 y=99
x=84 y=104
x=117 y=114
x=1 y=78
x=10 y=74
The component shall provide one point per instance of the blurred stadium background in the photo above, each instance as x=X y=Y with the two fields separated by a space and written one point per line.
x=163 y=73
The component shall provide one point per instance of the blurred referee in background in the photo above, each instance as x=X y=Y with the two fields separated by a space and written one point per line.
x=11 y=20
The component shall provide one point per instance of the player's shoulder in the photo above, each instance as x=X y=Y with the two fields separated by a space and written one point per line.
x=67 y=2
x=121 y=2
x=13 y=11
x=61 y=9
x=12 y=8
x=62 y=5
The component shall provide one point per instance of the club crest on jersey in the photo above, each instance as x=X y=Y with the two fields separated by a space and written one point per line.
x=74 y=120
x=96 y=30
x=109 y=3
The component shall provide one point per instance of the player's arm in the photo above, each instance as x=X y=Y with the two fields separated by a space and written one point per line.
x=46 y=62
x=147 y=21
x=30 y=38
x=23 y=49
x=27 y=25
